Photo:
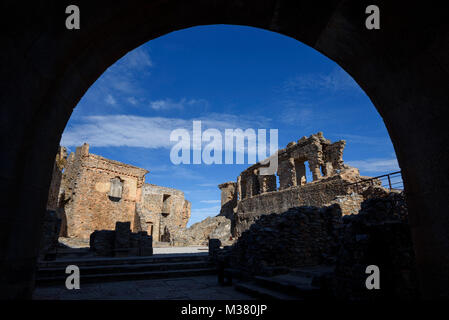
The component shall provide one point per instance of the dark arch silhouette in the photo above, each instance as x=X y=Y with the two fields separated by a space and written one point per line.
x=46 y=69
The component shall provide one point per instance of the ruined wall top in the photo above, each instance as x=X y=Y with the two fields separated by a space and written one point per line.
x=227 y=184
x=97 y=162
x=324 y=159
x=152 y=188
x=315 y=149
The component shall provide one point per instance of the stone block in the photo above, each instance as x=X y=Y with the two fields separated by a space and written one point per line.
x=102 y=242
x=122 y=235
x=214 y=246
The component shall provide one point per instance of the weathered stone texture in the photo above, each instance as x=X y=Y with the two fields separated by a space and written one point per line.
x=162 y=211
x=121 y=242
x=86 y=193
x=258 y=194
x=302 y=236
x=379 y=235
x=96 y=192
x=228 y=199
x=50 y=233
x=218 y=227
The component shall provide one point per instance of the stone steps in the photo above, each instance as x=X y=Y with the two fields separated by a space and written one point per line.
x=127 y=268
x=296 y=285
x=108 y=277
x=120 y=269
x=124 y=260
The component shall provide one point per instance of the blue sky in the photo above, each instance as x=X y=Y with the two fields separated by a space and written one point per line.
x=227 y=77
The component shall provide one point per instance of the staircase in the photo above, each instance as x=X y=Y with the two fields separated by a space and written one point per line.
x=296 y=285
x=126 y=268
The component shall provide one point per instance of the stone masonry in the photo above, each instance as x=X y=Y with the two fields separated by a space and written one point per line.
x=95 y=193
x=254 y=194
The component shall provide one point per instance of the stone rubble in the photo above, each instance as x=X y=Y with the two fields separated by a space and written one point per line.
x=218 y=227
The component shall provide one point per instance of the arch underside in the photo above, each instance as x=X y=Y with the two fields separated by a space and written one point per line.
x=46 y=69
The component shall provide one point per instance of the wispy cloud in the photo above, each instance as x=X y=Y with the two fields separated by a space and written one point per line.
x=210 y=201
x=110 y=100
x=336 y=80
x=138 y=58
x=297 y=116
x=169 y=104
x=137 y=131
x=132 y=100
x=208 y=185
x=375 y=165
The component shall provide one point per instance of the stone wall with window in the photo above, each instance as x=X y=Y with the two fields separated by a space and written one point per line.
x=95 y=193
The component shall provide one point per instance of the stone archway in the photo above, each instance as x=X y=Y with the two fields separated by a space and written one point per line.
x=46 y=69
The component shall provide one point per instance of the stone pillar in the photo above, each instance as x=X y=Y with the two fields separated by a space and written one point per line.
x=328 y=169
x=247 y=185
x=145 y=244
x=314 y=166
x=286 y=173
x=214 y=246
x=228 y=192
x=122 y=238
x=228 y=199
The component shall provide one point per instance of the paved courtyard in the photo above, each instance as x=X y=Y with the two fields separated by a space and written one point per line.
x=190 y=249
x=192 y=288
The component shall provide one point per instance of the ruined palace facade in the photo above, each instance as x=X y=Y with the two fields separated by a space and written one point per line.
x=96 y=192
x=254 y=194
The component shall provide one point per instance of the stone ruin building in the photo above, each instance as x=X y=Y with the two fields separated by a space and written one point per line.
x=253 y=194
x=89 y=193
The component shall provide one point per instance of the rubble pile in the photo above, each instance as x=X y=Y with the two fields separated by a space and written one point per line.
x=218 y=227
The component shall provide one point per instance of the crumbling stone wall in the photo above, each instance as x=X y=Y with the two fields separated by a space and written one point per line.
x=228 y=199
x=96 y=192
x=218 y=227
x=378 y=235
x=258 y=194
x=162 y=211
x=304 y=236
x=89 y=203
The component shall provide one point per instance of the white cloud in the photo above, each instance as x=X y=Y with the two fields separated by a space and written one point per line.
x=123 y=76
x=132 y=100
x=208 y=185
x=137 y=58
x=336 y=80
x=297 y=116
x=110 y=100
x=169 y=104
x=137 y=131
x=375 y=165
x=210 y=201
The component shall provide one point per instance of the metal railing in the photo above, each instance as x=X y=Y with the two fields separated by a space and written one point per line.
x=391 y=181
